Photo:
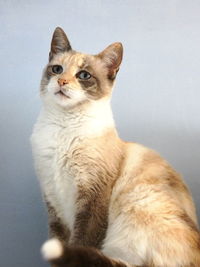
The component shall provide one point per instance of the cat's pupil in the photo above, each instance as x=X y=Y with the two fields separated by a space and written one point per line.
x=57 y=69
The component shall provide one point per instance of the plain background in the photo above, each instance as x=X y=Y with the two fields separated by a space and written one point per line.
x=155 y=102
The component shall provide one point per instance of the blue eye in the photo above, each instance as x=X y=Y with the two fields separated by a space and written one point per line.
x=57 y=69
x=83 y=75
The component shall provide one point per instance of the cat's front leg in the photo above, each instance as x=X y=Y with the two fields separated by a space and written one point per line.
x=91 y=218
x=57 y=229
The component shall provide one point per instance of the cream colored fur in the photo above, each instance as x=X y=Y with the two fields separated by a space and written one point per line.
x=151 y=219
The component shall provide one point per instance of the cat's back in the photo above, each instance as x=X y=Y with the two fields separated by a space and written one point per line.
x=147 y=180
x=149 y=206
x=148 y=197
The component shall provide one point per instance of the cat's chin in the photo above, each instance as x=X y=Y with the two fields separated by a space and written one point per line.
x=68 y=102
x=65 y=102
x=62 y=96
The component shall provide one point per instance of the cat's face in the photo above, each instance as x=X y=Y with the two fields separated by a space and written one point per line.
x=72 y=78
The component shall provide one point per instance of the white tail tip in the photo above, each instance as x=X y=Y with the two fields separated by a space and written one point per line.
x=52 y=249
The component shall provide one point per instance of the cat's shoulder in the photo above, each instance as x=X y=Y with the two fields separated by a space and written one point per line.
x=141 y=152
x=138 y=156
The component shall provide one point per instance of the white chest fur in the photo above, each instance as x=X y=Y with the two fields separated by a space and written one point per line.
x=51 y=144
x=53 y=140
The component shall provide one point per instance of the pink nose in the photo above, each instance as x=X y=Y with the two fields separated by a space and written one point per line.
x=62 y=82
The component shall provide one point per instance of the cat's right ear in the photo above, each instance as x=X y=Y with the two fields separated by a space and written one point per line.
x=59 y=43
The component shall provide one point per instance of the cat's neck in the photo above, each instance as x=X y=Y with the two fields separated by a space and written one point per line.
x=91 y=118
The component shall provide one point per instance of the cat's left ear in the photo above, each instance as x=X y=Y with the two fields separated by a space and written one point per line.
x=59 y=43
x=112 y=58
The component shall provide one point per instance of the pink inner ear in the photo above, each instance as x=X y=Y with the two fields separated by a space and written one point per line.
x=112 y=73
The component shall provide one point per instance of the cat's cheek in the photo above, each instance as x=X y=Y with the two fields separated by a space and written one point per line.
x=52 y=86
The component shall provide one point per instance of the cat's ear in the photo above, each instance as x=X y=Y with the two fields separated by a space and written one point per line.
x=59 y=43
x=112 y=58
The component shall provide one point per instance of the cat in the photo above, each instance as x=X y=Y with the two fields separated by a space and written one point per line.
x=109 y=202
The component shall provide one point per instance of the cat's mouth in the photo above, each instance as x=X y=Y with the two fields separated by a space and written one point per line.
x=62 y=93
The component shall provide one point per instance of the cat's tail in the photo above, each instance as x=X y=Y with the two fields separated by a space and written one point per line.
x=60 y=255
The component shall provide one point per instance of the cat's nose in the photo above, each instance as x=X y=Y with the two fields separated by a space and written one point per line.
x=62 y=82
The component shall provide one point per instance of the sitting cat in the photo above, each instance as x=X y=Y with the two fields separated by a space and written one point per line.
x=110 y=202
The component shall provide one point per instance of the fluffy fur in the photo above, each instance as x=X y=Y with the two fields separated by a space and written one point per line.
x=110 y=203
x=52 y=249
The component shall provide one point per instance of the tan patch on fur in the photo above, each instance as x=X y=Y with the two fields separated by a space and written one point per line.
x=155 y=201
x=80 y=61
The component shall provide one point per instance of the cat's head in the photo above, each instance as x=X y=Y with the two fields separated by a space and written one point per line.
x=72 y=78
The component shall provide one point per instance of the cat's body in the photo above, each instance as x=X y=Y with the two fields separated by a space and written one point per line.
x=101 y=192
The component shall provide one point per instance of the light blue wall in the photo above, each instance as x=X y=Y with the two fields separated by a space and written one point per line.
x=156 y=99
